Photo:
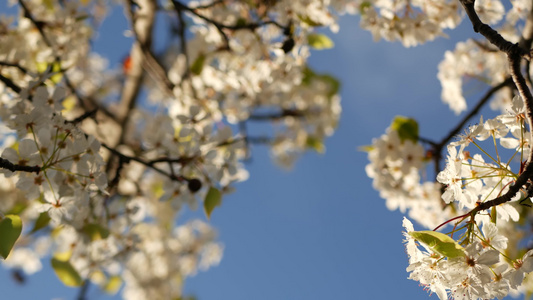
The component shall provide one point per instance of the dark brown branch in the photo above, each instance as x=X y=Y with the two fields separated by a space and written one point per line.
x=19 y=67
x=277 y=115
x=88 y=114
x=513 y=190
x=514 y=53
x=6 y=164
x=10 y=84
x=126 y=159
x=490 y=34
x=427 y=141
x=179 y=7
x=38 y=24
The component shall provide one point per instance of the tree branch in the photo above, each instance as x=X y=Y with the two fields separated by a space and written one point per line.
x=10 y=84
x=473 y=112
x=6 y=164
x=277 y=115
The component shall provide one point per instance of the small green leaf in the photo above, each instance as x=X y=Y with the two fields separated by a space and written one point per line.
x=363 y=6
x=10 y=229
x=365 y=148
x=41 y=222
x=82 y=18
x=66 y=272
x=49 y=4
x=333 y=83
x=319 y=41
x=407 y=128
x=212 y=200
x=198 y=64
x=493 y=215
x=95 y=231
x=308 y=21
x=315 y=144
x=112 y=285
x=18 y=208
x=439 y=243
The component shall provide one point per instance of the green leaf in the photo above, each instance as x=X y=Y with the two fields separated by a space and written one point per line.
x=308 y=21
x=365 y=148
x=112 y=285
x=439 y=243
x=95 y=231
x=319 y=41
x=18 y=208
x=363 y=6
x=407 y=128
x=82 y=18
x=10 y=229
x=198 y=64
x=315 y=144
x=333 y=84
x=212 y=200
x=493 y=215
x=66 y=272
x=49 y=4
x=41 y=222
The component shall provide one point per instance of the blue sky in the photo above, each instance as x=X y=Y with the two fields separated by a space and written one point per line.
x=319 y=231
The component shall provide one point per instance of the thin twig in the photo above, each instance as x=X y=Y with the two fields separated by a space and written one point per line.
x=19 y=67
x=126 y=159
x=482 y=101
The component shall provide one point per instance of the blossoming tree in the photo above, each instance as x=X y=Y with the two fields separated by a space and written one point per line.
x=97 y=163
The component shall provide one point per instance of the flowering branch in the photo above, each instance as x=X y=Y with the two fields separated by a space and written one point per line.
x=438 y=147
x=473 y=112
x=513 y=190
x=514 y=54
x=192 y=182
x=178 y=6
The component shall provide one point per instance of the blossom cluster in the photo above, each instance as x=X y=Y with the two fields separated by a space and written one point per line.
x=103 y=175
x=479 y=61
x=470 y=178
x=493 y=265
x=395 y=167
x=481 y=270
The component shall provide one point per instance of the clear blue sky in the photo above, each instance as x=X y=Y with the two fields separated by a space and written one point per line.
x=319 y=231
